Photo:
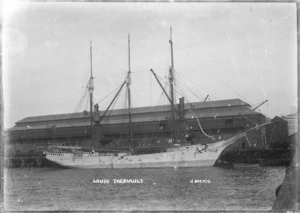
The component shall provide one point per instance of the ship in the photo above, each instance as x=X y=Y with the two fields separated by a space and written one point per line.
x=176 y=154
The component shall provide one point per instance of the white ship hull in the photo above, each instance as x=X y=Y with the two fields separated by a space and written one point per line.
x=184 y=156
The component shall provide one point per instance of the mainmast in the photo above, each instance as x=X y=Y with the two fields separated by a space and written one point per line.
x=171 y=80
x=91 y=88
x=128 y=90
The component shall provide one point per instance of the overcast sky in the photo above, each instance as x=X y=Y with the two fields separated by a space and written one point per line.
x=226 y=50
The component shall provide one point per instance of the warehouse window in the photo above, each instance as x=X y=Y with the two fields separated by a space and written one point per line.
x=243 y=145
x=228 y=121
x=162 y=125
x=254 y=142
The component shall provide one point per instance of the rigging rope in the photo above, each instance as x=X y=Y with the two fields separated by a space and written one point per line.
x=86 y=104
x=159 y=98
x=179 y=80
x=113 y=105
x=248 y=141
x=86 y=71
x=104 y=76
x=211 y=137
x=167 y=85
x=214 y=75
x=180 y=92
x=201 y=88
x=108 y=95
x=83 y=96
x=126 y=105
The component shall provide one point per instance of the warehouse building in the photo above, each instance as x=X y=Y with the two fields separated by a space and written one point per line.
x=277 y=132
x=222 y=119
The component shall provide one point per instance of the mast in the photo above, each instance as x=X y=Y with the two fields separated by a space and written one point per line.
x=102 y=117
x=260 y=105
x=171 y=80
x=163 y=89
x=91 y=89
x=128 y=90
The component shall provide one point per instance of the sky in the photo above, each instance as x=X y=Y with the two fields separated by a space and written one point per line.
x=224 y=50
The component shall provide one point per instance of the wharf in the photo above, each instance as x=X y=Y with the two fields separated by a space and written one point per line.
x=22 y=161
x=263 y=157
x=266 y=158
x=287 y=194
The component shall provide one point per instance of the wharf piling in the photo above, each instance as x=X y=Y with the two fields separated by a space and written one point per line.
x=266 y=157
x=22 y=161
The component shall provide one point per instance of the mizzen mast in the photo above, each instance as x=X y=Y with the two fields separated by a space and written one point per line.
x=128 y=90
x=91 y=88
x=171 y=80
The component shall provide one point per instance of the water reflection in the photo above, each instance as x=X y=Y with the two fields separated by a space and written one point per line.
x=162 y=189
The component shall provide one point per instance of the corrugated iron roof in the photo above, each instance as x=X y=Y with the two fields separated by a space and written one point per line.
x=278 y=118
x=138 y=110
x=154 y=117
x=290 y=116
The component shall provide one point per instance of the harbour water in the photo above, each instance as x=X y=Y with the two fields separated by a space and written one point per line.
x=214 y=188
